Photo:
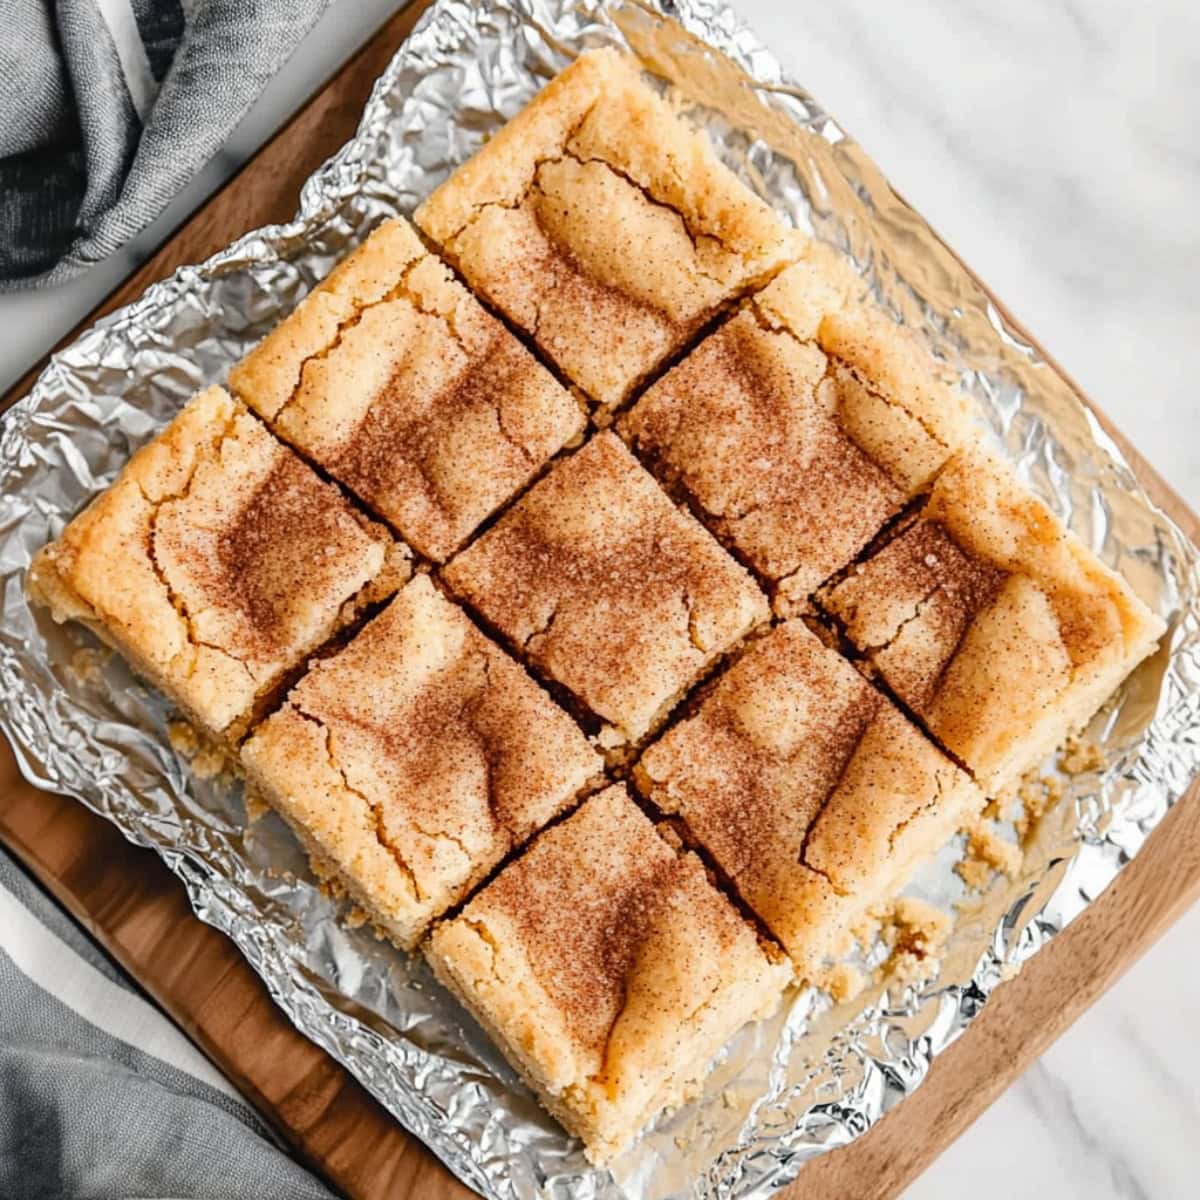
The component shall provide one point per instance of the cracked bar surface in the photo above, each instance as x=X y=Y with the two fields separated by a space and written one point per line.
x=813 y=795
x=216 y=563
x=991 y=622
x=608 y=969
x=604 y=227
x=800 y=427
x=394 y=378
x=415 y=758
x=609 y=589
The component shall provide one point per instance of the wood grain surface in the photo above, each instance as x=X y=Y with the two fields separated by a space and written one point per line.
x=132 y=904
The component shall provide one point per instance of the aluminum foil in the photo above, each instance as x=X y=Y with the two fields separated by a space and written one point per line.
x=814 y=1078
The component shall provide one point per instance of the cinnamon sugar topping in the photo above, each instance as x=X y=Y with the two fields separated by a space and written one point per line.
x=420 y=402
x=285 y=540
x=795 y=457
x=608 y=968
x=447 y=751
x=604 y=227
x=748 y=426
x=585 y=952
x=608 y=588
x=813 y=795
x=911 y=605
x=215 y=563
x=991 y=622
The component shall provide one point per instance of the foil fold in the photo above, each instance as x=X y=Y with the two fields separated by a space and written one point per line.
x=815 y=1077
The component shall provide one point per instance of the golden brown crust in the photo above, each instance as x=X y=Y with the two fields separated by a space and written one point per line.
x=416 y=758
x=397 y=382
x=215 y=563
x=608 y=968
x=270 y=374
x=888 y=361
x=796 y=458
x=608 y=588
x=810 y=791
x=912 y=603
x=746 y=428
x=603 y=226
x=993 y=622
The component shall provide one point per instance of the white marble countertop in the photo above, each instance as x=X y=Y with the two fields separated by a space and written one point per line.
x=1056 y=147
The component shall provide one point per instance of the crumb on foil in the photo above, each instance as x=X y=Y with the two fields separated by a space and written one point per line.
x=916 y=933
x=256 y=806
x=328 y=883
x=1078 y=756
x=206 y=759
x=1037 y=794
x=356 y=918
x=843 y=981
x=88 y=662
x=1028 y=800
x=987 y=853
x=865 y=929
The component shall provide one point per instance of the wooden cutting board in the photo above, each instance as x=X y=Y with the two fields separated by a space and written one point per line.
x=129 y=900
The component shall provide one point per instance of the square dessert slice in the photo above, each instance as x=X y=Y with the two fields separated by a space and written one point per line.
x=814 y=796
x=799 y=427
x=604 y=227
x=608 y=969
x=216 y=563
x=414 y=759
x=395 y=380
x=995 y=625
x=607 y=588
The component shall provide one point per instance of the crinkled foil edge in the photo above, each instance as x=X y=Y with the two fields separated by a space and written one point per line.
x=809 y=1081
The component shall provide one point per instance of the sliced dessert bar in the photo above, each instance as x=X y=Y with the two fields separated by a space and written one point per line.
x=608 y=588
x=608 y=969
x=814 y=796
x=799 y=428
x=991 y=622
x=414 y=759
x=395 y=380
x=216 y=563
x=603 y=226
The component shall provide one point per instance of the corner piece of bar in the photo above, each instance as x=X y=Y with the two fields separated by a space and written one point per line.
x=216 y=563
x=397 y=382
x=801 y=426
x=414 y=759
x=810 y=791
x=993 y=623
x=604 y=227
x=608 y=969
x=607 y=588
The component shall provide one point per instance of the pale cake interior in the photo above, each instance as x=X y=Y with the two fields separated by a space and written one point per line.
x=604 y=227
x=608 y=969
x=416 y=758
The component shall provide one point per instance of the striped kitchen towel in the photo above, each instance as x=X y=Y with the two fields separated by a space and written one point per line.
x=100 y=1095
x=109 y=107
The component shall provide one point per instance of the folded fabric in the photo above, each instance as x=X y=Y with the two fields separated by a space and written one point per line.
x=109 y=107
x=100 y=1095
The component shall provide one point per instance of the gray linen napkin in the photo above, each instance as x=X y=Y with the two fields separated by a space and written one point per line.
x=109 y=107
x=101 y=1097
